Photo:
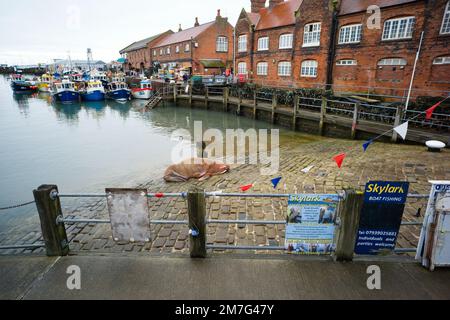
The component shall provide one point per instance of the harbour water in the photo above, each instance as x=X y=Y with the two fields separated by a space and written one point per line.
x=86 y=147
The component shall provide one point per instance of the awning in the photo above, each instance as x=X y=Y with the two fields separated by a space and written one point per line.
x=121 y=60
x=212 y=63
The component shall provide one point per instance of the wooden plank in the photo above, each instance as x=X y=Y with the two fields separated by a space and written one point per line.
x=197 y=222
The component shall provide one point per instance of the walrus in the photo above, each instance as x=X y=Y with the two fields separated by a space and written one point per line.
x=195 y=168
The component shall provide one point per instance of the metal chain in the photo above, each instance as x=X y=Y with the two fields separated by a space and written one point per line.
x=17 y=206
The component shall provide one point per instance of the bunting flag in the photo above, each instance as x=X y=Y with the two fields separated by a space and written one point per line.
x=307 y=169
x=367 y=144
x=431 y=110
x=339 y=159
x=402 y=130
x=275 y=182
x=246 y=188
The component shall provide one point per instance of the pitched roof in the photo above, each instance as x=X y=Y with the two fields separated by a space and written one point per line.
x=141 y=43
x=254 y=17
x=354 y=6
x=184 y=35
x=282 y=14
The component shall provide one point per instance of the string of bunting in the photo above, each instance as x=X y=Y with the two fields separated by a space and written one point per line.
x=401 y=130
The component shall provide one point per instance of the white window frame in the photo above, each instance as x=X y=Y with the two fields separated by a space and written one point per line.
x=262 y=68
x=154 y=53
x=441 y=60
x=177 y=49
x=161 y=51
x=168 y=50
x=392 y=62
x=222 y=44
x=263 y=44
x=311 y=34
x=242 y=43
x=350 y=34
x=399 y=28
x=242 y=68
x=309 y=69
x=284 y=69
x=445 y=27
x=286 y=41
x=346 y=62
x=187 y=47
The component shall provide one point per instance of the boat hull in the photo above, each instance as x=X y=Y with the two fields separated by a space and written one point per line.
x=44 y=87
x=94 y=96
x=67 y=96
x=23 y=87
x=142 y=93
x=119 y=95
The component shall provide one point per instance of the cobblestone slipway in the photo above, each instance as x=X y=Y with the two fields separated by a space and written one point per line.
x=381 y=162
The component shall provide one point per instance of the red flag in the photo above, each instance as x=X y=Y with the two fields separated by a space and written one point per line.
x=340 y=159
x=247 y=187
x=431 y=110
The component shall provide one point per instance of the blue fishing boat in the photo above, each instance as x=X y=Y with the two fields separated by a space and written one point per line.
x=65 y=91
x=118 y=91
x=93 y=92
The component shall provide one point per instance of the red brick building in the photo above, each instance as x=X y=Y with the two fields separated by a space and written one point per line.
x=312 y=43
x=203 y=49
x=138 y=54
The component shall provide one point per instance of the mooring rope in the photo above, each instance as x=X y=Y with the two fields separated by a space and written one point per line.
x=17 y=206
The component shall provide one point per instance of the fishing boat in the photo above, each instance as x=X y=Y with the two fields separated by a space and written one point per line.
x=96 y=75
x=65 y=91
x=45 y=85
x=144 y=91
x=94 y=91
x=18 y=84
x=118 y=91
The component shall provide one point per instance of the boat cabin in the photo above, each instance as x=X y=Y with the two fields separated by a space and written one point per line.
x=94 y=85
x=64 y=86
x=117 y=86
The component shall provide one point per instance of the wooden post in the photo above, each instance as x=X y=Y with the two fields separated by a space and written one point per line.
x=226 y=97
x=349 y=215
x=323 y=112
x=206 y=97
x=296 y=105
x=197 y=222
x=355 y=120
x=255 y=104
x=190 y=93
x=398 y=119
x=175 y=93
x=274 y=106
x=239 y=102
x=49 y=208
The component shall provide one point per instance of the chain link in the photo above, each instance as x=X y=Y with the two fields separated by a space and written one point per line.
x=17 y=206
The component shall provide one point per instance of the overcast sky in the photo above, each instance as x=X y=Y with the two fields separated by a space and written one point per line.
x=34 y=31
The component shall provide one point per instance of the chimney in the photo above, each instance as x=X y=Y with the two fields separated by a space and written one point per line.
x=258 y=5
x=218 y=12
x=179 y=28
x=196 y=22
x=273 y=3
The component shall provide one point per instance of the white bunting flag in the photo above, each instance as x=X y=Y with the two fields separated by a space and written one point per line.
x=307 y=169
x=402 y=130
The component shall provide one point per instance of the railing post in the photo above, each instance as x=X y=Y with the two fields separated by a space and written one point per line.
x=206 y=97
x=226 y=97
x=349 y=215
x=355 y=119
x=274 y=106
x=296 y=105
x=398 y=119
x=239 y=102
x=197 y=222
x=49 y=208
x=175 y=93
x=190 y=93
x=255 y=104
x=323 y=112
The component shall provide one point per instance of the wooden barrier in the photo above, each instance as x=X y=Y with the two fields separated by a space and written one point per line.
x=197 y=222
x=49 y=209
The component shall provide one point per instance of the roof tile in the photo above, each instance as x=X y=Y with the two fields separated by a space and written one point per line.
x=355 y=6
x=184 y=35
x=280 y=15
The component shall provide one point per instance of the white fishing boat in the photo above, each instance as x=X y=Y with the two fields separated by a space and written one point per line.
x=144 y=91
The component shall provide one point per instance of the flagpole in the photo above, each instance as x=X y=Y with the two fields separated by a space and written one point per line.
x=414 y=72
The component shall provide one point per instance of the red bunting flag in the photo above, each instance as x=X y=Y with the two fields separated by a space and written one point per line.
x=247 y=187
x=431 y=110
x=339 y=159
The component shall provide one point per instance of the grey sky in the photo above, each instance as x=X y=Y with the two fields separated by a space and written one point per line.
x=38 y=31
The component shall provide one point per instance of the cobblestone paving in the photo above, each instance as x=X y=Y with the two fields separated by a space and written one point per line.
x=381 y=162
